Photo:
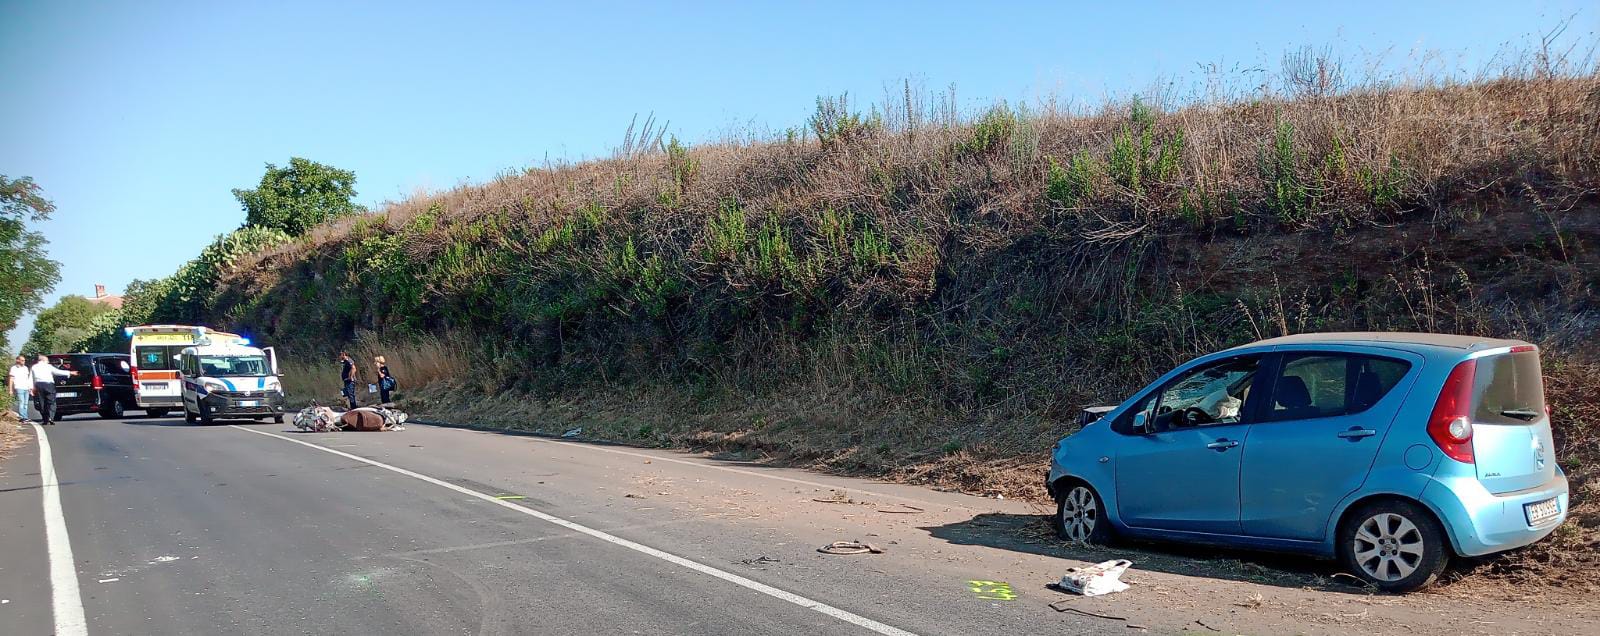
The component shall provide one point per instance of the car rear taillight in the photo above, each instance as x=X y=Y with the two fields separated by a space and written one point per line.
x=97 y=383
x=1450 y=426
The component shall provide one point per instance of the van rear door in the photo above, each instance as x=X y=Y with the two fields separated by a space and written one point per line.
x=1511 y=440
x=76 y=393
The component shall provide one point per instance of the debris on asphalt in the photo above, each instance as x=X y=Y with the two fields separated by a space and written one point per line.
x=1198 y=622
x=850 y=547
x=1254 y=602
x=321 y=419
x=571 y=433
x=902 y=510
x=369 y=418
x=317 y=419
x=1066 y=606
x=759 y=561
x=992 y=590
x=110 y=580
x=1095 y=580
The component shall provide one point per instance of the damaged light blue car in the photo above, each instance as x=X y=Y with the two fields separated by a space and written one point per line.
x=1390 y=452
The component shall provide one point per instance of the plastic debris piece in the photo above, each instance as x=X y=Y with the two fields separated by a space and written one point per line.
x=850 y=547
x=573 y=433
x=1095 y=580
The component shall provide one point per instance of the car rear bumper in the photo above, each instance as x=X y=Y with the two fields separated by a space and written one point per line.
x=1481 y=522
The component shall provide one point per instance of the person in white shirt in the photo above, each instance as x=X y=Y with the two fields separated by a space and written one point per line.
x=44 y=387
x=20 y=383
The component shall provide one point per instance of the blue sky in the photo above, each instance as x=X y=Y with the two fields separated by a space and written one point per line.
x=138 y=118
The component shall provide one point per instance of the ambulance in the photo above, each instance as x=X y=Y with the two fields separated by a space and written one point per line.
x=157 y=382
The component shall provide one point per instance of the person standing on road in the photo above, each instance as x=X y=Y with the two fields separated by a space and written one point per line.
x=20 y=383
x=44 y=387
x=385 y=380
x=347 y=373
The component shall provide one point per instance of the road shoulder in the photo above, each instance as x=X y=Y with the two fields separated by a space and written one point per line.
x=24 y=562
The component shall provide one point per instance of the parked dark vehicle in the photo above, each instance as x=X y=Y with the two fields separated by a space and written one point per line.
x=104 y=384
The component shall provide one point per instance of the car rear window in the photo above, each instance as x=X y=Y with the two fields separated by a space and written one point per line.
x=156 y=357
x=72 y=363
x=1508 y=389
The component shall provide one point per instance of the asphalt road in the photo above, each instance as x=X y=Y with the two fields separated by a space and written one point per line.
x=180 y=529
x=261 y=529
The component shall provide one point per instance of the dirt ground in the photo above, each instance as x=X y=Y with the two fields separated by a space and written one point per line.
x=1176 y=589
x=11 y=433
x=1548 y=588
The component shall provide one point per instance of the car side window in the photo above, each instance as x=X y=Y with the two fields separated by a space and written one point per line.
x=1212 y=395
x=1313 y=385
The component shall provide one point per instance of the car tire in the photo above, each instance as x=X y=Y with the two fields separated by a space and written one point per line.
x=113 y=411
x=1080 y=515
x=155 y=412
x=205 y=414
x=189 y=417
x=1393 y=545
x=277 y=419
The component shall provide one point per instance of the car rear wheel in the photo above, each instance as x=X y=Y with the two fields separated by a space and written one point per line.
x=1080 y=516
x=1397 y=546
x=112 y=411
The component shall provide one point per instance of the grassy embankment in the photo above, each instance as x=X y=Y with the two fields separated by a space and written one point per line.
x=932 y=297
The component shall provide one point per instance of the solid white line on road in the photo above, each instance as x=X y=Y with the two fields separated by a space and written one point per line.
x=67 y=604
x=730 y=577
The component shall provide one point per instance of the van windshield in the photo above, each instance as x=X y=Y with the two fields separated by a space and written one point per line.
x=1508 y=389
x=218 y=366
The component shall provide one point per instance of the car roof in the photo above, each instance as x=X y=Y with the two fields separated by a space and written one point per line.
x=1392 y=339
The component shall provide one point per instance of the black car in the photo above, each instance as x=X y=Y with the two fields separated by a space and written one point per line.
x=104 y=384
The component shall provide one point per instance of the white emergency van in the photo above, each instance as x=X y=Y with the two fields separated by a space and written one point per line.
x=228 y=378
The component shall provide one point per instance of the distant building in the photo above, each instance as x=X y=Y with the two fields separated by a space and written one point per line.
x=100 y=296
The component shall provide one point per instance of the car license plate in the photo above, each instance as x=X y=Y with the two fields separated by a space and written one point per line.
x=155 y=386
x=1542 y=511
x=67 y=394
x=250 y=403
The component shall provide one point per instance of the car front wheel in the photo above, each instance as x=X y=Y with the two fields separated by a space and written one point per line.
x=1080 y=516
x=1397 y=546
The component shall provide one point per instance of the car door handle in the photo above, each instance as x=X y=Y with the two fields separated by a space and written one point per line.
x=1222 y=444
x=1357 y=433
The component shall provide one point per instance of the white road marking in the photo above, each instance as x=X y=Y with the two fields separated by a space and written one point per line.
x=814 y=605
x=67 y=603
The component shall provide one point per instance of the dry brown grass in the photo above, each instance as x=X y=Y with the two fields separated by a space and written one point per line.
x=11 y=435
x=414 y=362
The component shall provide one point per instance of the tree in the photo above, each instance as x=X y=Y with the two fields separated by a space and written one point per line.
x=26 y=273
x=297 y=198
x=64 y=324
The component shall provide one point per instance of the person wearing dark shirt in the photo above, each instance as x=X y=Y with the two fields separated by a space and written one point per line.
x=347 y=372
x=385 y=380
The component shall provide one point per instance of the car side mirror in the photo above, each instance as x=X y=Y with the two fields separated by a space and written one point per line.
x=1141 y=423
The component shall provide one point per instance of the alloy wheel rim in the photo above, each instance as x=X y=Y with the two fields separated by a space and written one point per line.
x=1079 y=513
x=1388 y=547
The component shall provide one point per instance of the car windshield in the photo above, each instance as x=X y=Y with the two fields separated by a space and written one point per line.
x=217 y=366
x=1213 y=390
